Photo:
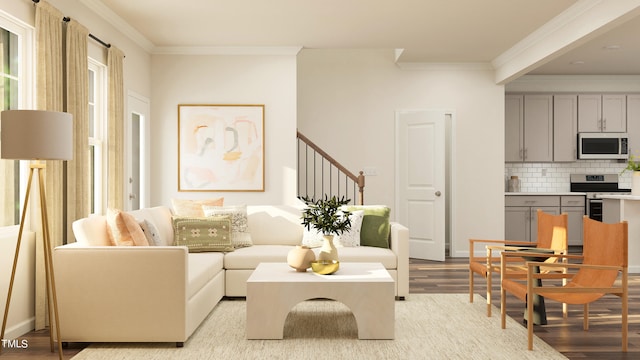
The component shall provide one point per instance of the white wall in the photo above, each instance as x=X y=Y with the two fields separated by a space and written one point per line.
x=346 y=105
x=225 y=79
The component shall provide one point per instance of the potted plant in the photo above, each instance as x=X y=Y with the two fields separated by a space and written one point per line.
x=633 y=164
x=326 y=216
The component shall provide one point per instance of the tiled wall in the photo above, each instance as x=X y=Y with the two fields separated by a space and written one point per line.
x=554 y=177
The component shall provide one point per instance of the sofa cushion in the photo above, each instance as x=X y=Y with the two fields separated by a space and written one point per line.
x=202 y=268
x=275 y=224
x=250 y=257
x=203 y=233
x=240 y=236
x=367 y=254
x=92 y=231
x=124 y=230
x=186 y=207
x=375 y=225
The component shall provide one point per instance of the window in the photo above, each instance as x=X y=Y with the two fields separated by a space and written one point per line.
x=15 y=86
x=97 y=123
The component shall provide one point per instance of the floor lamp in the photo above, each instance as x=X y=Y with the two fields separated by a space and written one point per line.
x=37 y=135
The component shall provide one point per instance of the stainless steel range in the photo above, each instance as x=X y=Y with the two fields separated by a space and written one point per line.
x=595 y=185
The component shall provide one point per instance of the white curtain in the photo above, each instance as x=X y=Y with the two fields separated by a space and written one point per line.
x=115 y=130
x=78 y=169
x=50 y=95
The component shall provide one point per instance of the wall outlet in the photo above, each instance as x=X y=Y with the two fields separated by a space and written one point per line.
x=544 y=172
x=370 y=171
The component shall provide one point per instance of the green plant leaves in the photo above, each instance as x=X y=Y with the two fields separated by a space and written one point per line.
x=326 y=215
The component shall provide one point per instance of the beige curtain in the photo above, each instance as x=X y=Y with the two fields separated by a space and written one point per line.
x=49 y=94
x=78 y=169
x=115 y=130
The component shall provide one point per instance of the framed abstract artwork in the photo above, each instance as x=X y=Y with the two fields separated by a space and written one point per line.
x=220 y=147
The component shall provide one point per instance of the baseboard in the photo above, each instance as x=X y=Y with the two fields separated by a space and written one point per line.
x=20 y=329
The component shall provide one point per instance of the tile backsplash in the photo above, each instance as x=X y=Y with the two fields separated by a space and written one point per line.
x=554 y=177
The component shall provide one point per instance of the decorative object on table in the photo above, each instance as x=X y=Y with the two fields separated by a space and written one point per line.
x=220 y=147
x=37 y=135
x=633 y=164
x=300 y=258
x=327 y=216
x=325 y=267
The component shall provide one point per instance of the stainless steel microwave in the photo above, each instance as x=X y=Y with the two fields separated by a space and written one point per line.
x=603 y=146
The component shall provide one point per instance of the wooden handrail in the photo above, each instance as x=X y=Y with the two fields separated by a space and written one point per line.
x=357 y=179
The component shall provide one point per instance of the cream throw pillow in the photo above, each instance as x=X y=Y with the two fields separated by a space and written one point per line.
x=351 y=238
x=123 y=229
x=193 y=208
x=240 y=236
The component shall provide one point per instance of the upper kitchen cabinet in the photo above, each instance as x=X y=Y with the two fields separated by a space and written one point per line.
x=602 y=113
x=529 y=128
x=565 y=127
x=633 y=123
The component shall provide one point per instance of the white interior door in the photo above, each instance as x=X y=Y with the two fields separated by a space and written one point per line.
x=420 y=181
x=137 y=152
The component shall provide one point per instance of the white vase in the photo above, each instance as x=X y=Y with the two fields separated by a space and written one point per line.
x=328 y=251
x=635 y=183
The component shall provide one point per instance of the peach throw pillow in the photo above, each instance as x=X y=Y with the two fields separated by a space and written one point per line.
x=123 y=229
x=193 y=208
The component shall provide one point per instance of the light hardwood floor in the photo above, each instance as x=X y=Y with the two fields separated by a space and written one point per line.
x=602 y=341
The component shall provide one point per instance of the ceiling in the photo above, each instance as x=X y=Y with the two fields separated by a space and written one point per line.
x=427 y=30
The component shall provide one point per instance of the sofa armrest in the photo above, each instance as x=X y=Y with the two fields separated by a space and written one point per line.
x=399 y=243
x=120 y=293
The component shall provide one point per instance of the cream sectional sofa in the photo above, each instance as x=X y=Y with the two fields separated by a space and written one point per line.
x=162 y=293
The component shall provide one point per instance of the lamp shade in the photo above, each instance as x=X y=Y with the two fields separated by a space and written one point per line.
x=36 y=135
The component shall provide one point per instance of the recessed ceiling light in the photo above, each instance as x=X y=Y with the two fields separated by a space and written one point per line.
x=611 y=47
x=577 y=62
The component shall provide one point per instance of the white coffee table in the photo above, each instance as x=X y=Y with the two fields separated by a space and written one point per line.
x=367 y=289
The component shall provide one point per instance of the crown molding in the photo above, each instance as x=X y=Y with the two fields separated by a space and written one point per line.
x=100 y=9
x=227 y=50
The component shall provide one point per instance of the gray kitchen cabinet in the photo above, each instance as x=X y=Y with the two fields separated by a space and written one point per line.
x=514 y=127
x=529 y=128
x=521 y=221
x=633 y=123
x=574 y=207
x=602 y=113
x=565 y=127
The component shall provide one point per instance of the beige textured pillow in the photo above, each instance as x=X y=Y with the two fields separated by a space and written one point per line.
x=123 y=229
x=240 y=236
x=193 y=208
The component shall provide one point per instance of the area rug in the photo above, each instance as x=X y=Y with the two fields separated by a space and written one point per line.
x=428 y=326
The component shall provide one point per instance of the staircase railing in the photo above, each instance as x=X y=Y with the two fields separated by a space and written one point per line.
x=319 y=174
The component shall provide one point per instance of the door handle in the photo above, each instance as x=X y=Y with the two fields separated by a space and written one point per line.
x=132 y=196
x=438 y=193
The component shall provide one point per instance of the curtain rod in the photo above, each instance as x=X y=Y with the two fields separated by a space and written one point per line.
x=107 y=45
x=67 y=19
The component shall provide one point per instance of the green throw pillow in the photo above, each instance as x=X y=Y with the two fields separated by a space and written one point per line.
x=203 y=234
x=376 y=227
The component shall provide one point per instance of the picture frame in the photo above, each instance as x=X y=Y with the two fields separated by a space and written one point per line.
x=220 y=147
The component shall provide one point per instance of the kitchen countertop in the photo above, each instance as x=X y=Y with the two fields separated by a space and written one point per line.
x=620 y=197
x=547 y=193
